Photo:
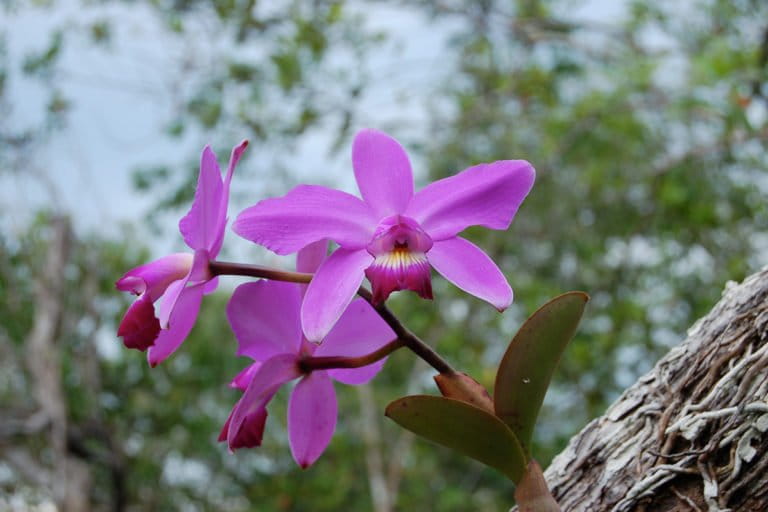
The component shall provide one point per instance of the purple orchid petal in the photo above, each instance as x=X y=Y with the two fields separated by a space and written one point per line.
x=198 y=274
x=468 y=267
x=399 y=270
x=484 y=195
x=219 y=241
x=399 y=246
x=139 y=327
x=307 y=214
x=383 y=172
x=154 y=277
x=312 y=412
x=251 y=432
x=266 y=381
x=234 y=158
x=181 y=321
x=357 y=376
x=264 y=316
x=309 y=260
x=210 y=286
x=359 y=331
x=244 y=378
x=331 y=290
x=169 y=300
x=310 y=257
x=200 y=227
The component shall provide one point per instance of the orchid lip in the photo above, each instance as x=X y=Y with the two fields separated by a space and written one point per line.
x=399 y=249
x=399 y=232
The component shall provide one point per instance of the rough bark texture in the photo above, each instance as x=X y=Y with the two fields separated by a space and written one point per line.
x=692 y=434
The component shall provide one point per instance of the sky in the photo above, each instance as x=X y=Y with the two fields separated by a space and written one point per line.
x=123 y=99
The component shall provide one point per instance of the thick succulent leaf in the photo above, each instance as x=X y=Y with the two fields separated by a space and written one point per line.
x=462 y=427
x=530 y=360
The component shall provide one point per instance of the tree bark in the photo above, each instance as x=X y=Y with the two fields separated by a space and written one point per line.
x=70 y=478
x=692 y=434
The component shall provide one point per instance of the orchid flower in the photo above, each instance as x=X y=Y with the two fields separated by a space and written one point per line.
x=393 y=235
x=265 y=318
x=179 y=280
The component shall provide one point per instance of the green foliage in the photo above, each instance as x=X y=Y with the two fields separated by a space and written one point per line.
x=42 y=62
x=462 y=427
x=527 y=367
x=144 y=179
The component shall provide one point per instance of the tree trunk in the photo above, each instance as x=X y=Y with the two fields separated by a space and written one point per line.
x=70 y=479
x=692 y=434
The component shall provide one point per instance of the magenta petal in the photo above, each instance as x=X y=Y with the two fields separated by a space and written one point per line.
x=399 y=270
x=359 y=331
x=198 y=274
x=312 y=412
x=244 y=378
x=307 y=214
x=211 y=286
x=201 y=227
x=139 y=327
x=357 y=376
x=250 y=433
x=383 y=172
x=264 y=316
x=468 y=267
x=169 y=299
x=181 y=321
x=219 y=241
x=331 y=290
x=154 y=277
x=310 y=257
x=484 y=195
x=234 y=158
x=266 y=381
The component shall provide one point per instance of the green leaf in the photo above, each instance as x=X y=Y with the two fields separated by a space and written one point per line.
x=530 y=360
x=289 y=69
x=462 y=427
x=44 y=61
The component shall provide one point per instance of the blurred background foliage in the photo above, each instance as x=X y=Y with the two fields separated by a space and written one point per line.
x=648 y=133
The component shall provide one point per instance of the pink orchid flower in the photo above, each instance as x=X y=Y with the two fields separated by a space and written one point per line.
x=265 y=318
x=393 y=235
x=179 y=280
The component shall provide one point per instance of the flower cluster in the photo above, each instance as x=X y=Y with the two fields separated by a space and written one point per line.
x=392 y=236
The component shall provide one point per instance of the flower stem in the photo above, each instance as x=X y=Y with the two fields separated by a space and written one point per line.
x=309 y=364
x=221 y=268
x=410 y=340
x=404 y=336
